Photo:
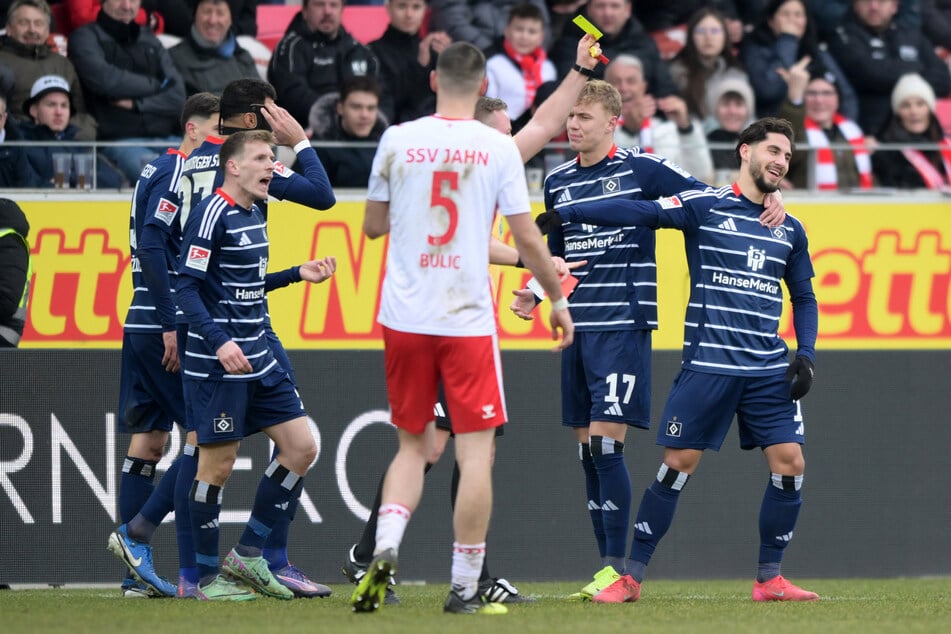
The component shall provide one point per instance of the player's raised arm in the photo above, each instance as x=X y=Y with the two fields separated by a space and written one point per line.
x=311 y=187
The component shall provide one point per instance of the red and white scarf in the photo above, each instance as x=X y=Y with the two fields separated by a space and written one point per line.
x=826 y=175
x=932 y=177
x=531 y=66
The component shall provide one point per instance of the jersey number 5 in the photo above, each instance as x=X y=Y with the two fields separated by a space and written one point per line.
x=438 y=199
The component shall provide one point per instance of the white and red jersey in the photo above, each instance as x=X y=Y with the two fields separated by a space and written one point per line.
x=444 y=180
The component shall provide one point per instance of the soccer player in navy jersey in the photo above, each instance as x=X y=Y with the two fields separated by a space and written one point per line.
x=606 y=373
x=233 y=381
x=548 y=121
x=150 y=389
x=734 y=361
x=249 y=104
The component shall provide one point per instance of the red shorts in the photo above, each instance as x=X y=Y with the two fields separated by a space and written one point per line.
x=471 y=374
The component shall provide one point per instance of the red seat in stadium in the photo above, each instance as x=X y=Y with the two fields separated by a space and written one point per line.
x=942 y=110
x=365 y=23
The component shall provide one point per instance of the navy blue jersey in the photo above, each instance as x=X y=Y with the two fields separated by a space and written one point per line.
x=732 y=320
x=202 y=177
x=617 y=288
x=155 y=203
x=226 y=247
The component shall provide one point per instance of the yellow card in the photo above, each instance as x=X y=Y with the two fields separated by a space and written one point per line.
x=587 y=27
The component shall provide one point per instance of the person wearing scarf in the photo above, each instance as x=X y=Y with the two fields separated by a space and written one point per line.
x=210 y=58
x=913 y=123
x=516 y=72
x=812 y=106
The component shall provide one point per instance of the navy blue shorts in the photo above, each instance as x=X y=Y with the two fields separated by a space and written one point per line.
x=231 y=410
x=701 y=406
x=150 y=398
x=606 y=376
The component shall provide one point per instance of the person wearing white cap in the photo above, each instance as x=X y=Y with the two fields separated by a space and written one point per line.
x=48 y=108
x=913 y=122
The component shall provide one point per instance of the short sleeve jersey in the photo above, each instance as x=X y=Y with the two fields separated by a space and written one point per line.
x=155 y=201
x=617 y=288
x=226 y=246
x=444 y=179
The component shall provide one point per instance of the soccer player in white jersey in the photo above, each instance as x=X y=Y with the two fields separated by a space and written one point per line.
x=734 y=361
x=435 y=186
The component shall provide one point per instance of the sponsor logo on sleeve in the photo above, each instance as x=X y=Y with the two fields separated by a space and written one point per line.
x=198 y=258
x=671 y=202
x=166 y=211
x=282 y=170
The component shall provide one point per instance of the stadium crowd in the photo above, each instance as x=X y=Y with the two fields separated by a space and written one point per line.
x=691 y=73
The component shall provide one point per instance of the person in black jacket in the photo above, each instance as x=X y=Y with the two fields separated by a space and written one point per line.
x=15 y=169
x=353 y=116
x=406 y=59
x=14 y=272
x=622 y=34
x=315 y=56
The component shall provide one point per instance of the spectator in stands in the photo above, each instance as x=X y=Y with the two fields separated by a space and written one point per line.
x=406 y=59
x=481 y=22
x=786 y=35
x=732 y=112
x=560 y=14
x=913 y=121
x=15 y=170
x=678 y=138
x=705 y=60
x=132 y=86
x=516 y=71
x=874 y=51
x=315 y=56
x=829 y=14
x=666 y=21
x=48 y=108
x=936 y=22
x=353 y=116
x=161 y=16
x=24 y=49
x=209 y=57
x=622 y=34
x=812 y=107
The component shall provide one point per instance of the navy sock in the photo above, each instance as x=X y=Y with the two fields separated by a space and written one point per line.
x=275 y=548
x=615 y=502
x=135 y=486
x=654 y=516
x=271 y=504
x=593 y=489
x=777 y=519
x=159 y=504
x=187 y=468
x=204 y=502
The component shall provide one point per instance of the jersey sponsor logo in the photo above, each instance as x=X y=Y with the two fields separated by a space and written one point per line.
x=166 y=211
x=198 y=258
x=752 y=284
x=671 y=202
x=611 y=185
x=727 y=225
x=755 y=258
x=586 y=244
x=223 y=424
x=674 y=428
x=282 y=170
x=246 y=295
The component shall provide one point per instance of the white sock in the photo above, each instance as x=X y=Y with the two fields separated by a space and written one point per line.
x=390 y=526
x=467 y=568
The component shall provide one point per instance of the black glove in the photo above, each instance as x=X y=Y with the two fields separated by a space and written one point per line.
x=800 y=373
x=547 y=221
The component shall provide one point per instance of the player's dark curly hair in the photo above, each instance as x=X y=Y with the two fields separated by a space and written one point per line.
x=760 y=129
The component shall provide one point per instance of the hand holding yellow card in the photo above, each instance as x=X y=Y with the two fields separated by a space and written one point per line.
x=594 y=32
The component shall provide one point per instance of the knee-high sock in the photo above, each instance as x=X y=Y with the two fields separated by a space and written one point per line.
x=187 y=468
x=135 y=486
x=654 y=516
x=453 y=492
x=615 y=484
x=777 y=520
x=593 y=491
x=160 y=503
x=363 y=550
x=277 y=488
x=204 y=502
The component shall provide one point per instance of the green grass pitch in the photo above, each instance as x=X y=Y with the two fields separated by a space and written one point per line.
x=848 y=605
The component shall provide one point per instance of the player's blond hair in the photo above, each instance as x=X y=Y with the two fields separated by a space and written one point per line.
x=599 y=91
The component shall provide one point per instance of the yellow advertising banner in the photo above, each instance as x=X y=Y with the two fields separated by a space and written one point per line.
x=883 y=277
